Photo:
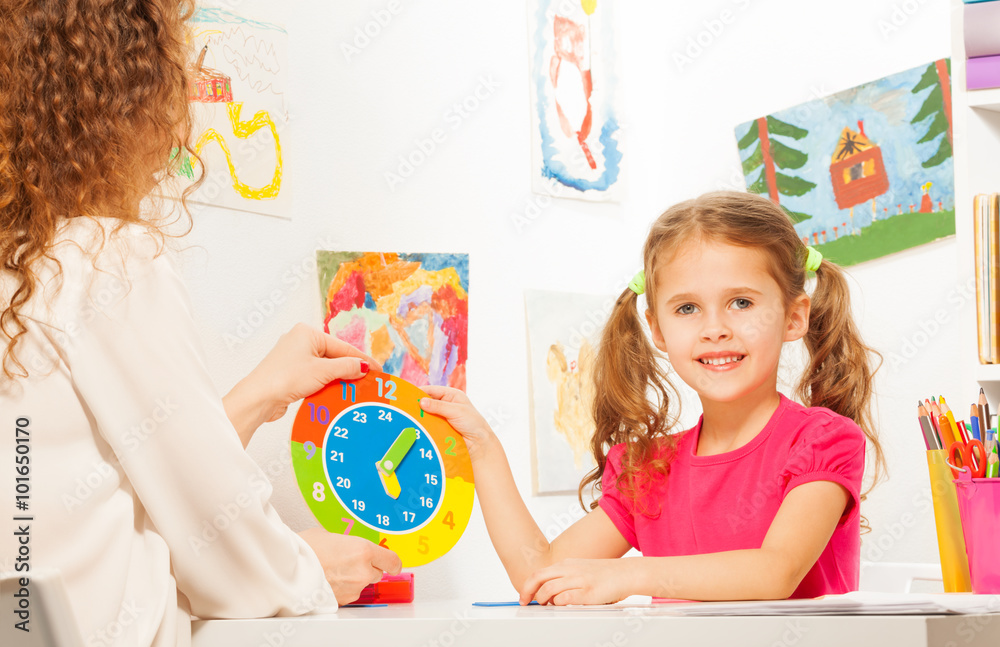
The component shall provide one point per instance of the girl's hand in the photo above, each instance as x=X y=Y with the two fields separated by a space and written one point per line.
x=304 y=360
x=350 y=563
x=578 y=581
x=455 y=407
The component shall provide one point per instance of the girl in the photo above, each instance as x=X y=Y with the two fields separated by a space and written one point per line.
x=760 y=499
x=141 y=494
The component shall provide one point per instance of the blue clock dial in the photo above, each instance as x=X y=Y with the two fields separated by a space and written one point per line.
x=356 y=444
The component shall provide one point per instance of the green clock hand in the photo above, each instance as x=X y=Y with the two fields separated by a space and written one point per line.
x=386 y=467
x=398 y=450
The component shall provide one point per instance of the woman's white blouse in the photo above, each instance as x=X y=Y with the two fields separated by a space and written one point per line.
x=140 y=491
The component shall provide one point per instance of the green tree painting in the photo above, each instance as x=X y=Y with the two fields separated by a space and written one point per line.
x=937 y=103
x=771 y=154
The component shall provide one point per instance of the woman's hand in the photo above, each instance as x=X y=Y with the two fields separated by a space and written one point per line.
x=304 y=360
x=454 y=406
x=579 y=581
x=350 y=563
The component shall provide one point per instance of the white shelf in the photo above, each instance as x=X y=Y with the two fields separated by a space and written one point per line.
x=988 y=373
x=976 y=150
x=988 y=99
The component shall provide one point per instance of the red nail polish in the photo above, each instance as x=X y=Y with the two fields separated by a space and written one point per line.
x=364 y=367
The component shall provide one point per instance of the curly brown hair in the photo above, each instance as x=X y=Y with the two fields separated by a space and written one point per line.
x=93 y=99
x=838 y=376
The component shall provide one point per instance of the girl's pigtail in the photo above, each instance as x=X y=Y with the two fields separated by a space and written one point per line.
x=840 y=372
x=627 y=366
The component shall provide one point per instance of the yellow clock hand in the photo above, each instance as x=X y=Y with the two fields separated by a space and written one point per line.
x=386 y=467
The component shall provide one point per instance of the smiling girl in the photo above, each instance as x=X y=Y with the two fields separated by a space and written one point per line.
x=760 y=499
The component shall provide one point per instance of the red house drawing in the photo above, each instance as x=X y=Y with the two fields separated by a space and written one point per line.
x=208 y=85
x=857 y=171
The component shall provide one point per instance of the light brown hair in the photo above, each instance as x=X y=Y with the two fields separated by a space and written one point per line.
x=93 y=99
x=840 y=369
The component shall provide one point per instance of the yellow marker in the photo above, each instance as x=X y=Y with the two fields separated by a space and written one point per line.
x=946 y=410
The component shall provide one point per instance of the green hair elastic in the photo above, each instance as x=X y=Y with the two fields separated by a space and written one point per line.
x=813 y=259
x=638 y=283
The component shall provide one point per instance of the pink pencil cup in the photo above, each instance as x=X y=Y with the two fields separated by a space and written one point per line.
x=979 y=506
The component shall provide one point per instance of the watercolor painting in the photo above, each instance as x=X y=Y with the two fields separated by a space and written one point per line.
x=563 y=334
x=576 y=140
x=408 y=311
x=238 y=84
x=865 y=172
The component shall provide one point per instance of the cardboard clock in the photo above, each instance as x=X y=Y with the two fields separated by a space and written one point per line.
x=371 y=463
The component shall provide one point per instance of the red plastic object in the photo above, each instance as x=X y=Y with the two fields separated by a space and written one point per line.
x=390 y=589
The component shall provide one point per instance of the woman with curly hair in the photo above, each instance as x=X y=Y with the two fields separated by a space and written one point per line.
x=141 y=493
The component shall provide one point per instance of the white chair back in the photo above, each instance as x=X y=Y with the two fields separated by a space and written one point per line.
x=35 y=611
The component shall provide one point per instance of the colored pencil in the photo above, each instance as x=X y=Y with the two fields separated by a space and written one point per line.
x=986 y=406
x=974 y=422
x=935 y=412
x=930 y=438
x=930 y=433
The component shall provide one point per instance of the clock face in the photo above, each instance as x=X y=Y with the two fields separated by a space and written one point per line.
x=371 y=463
x=357 y=483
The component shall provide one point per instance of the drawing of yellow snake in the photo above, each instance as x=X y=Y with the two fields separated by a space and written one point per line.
x=244 y=130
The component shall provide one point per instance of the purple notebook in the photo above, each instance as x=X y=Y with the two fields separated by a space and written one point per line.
x=982 y=72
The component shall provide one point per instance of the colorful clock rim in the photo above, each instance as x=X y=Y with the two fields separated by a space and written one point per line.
x=445 y=527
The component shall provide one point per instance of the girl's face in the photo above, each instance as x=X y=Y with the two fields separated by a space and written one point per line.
x=721 y=321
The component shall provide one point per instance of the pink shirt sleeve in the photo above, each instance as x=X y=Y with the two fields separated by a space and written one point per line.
x=618 y=507
x=831 y=450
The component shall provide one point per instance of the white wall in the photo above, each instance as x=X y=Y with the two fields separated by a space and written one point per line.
x=351 y=119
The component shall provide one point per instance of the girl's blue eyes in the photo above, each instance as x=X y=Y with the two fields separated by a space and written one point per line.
x=739 y=304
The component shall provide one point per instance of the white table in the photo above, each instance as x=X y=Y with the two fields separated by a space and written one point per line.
x=444 y=624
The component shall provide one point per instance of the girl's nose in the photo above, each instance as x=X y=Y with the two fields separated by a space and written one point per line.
x=715 y=328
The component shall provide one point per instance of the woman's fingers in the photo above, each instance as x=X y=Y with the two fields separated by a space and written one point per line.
x=343 y=368
x=332 y=347
x=386 y=560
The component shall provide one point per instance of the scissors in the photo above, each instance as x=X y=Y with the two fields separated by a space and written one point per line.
x=970 y=455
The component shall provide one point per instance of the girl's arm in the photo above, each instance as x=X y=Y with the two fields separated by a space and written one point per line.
x=519 y=542
x=795 y=540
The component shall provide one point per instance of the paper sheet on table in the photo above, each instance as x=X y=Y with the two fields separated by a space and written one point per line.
x=855 y=603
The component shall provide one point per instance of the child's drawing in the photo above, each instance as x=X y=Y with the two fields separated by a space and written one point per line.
x=574 y=100
x=238 y=81
x=408 y=311
x=563 y=332
x=864 y=172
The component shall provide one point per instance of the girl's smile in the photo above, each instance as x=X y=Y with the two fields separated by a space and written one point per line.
x=721 y=361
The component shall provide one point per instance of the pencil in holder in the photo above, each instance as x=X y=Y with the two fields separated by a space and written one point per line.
x=947 y=519
x=979 y=505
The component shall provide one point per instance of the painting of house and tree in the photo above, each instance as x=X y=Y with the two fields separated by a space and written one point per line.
x=862 y=173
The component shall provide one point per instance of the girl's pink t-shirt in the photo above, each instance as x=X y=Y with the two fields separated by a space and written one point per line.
x=710 y=504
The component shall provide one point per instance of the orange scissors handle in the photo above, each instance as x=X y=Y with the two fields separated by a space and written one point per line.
x=969 y=455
